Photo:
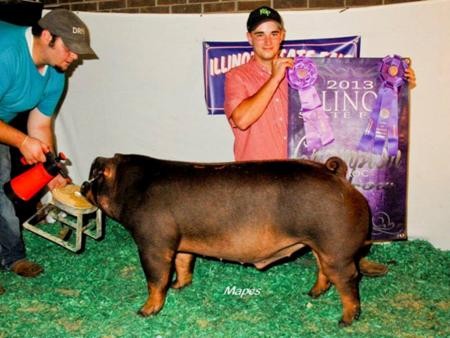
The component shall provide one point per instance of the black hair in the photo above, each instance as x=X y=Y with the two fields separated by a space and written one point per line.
x=37 y=30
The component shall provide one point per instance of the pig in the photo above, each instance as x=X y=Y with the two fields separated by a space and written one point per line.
x=255 y=212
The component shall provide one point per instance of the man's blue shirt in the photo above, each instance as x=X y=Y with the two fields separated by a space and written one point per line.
x=22 y=86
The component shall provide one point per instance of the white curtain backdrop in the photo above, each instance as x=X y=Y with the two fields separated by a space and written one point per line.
x=145 y=93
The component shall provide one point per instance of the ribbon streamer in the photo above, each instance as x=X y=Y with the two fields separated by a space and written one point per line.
x=382 y=128
x=302 y=77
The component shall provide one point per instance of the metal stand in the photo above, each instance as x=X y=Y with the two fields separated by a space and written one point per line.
x=82 y=220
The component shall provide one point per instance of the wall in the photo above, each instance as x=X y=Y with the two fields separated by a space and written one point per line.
x=145 y=93
x=208 y=6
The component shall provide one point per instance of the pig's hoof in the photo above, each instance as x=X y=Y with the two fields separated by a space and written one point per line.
x=317 y=292
x=343 y=323
x=179 y=285
x=348 y=322
x=370 y=268
x=313 y=294
x=142 y=313
x=146 y=313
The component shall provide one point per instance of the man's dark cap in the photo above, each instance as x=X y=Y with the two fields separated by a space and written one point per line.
x=262 y=14
x=69 y=27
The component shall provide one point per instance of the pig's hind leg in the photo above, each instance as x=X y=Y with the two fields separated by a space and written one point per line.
x=184 y=266
x=342 y=272
x=322 y=283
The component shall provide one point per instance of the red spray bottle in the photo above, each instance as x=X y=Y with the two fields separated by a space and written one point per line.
x=29 y=183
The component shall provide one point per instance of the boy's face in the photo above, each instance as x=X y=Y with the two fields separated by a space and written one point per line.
x=266 y=40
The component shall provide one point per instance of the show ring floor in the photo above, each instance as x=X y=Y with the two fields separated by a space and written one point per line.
x=97 y=294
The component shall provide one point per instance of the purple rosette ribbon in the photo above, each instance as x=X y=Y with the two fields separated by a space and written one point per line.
x=382 y=128
x=302 y=77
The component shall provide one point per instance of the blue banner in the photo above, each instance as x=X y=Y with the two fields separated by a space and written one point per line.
x=220 y=57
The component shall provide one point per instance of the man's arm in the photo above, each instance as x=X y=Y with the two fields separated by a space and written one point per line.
x=10 y=135
x=251 y=108
x=40 y=128
x=32 y=149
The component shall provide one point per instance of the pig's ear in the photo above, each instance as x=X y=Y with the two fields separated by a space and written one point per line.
x=107 y=172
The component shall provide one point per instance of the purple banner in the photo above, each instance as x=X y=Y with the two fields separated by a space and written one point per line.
x=220 y=57
x=348 y=90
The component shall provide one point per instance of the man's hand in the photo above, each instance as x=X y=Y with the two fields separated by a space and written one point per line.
x=58 y=182
x=410 y=76
x=279 y=66
x=33 y=150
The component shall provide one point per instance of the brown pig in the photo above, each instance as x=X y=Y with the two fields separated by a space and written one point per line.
x=248 y=212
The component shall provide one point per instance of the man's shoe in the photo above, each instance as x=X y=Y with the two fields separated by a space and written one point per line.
x=25 y=268
x=372 y=269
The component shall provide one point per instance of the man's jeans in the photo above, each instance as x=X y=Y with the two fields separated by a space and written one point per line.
x=11 y=244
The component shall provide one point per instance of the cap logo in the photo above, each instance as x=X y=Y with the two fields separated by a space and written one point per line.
x=78 y=30
x=264 y=11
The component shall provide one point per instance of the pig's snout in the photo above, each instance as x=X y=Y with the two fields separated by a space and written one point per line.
x=85 y=187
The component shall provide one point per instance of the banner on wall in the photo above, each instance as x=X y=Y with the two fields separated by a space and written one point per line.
x=220 y=57
x=356 y=109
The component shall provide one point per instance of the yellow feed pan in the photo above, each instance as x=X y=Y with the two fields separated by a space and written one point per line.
x=70 y=196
